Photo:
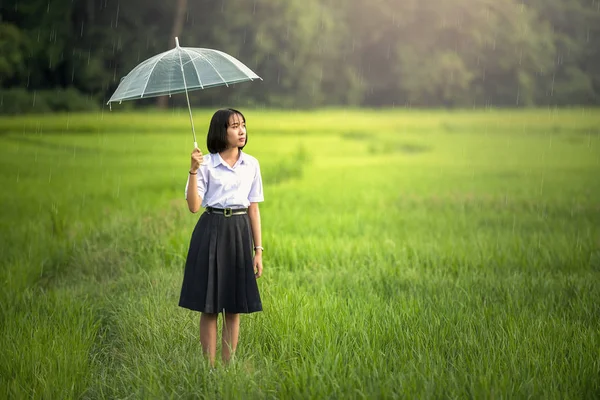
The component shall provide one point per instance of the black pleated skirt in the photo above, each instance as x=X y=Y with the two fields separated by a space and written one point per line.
x=219 y=275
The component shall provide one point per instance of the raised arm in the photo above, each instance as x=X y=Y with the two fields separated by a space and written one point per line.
x=193 y=199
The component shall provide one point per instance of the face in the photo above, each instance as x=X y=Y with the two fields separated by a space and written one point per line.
x=236 y=131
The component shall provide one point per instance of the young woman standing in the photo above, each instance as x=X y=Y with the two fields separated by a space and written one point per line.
x=225 y=253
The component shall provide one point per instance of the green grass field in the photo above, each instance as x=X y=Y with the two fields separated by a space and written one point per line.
x=412 y=254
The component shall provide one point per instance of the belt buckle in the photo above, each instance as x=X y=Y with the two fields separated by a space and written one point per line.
x=228 y=212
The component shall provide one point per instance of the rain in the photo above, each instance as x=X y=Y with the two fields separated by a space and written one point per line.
x=430 y=170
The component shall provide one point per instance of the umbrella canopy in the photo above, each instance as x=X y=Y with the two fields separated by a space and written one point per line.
x=179 y=70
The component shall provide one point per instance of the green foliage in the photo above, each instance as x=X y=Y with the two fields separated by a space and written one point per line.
x=21 y=101
x=312 y=53
x=13 y=46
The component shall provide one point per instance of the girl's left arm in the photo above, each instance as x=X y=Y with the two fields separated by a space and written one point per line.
x=254 y=214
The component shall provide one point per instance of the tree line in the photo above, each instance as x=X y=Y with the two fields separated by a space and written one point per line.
x=311 y=53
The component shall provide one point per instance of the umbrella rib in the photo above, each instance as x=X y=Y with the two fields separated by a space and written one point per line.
x=152 y=70
x=237 y=66
x=196 y=69
x=206 y=59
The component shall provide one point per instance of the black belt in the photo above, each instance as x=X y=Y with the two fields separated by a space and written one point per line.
x=228 y=212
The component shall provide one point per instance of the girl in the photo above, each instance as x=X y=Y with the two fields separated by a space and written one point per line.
x=221 y=269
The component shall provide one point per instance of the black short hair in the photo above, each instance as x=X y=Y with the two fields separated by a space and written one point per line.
x=216 y=140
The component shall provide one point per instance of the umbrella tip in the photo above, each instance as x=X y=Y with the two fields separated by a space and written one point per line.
x=176 y=41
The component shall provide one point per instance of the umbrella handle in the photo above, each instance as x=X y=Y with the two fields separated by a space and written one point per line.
x=196 y=147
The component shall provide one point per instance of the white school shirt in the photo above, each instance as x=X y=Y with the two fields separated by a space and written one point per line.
x=222 y=186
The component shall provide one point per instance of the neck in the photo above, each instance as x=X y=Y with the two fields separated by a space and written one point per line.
x=230 y=153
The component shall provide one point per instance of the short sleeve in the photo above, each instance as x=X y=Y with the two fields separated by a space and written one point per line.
x=201 y=178
x=256 y=190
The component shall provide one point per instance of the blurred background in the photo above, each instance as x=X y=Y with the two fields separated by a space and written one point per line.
x=69 y=55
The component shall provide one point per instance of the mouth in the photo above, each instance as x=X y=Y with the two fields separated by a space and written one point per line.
x=243 y=139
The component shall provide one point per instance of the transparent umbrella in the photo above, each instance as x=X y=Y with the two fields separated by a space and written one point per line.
x=179 y=70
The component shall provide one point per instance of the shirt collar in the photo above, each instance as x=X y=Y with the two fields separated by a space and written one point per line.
x=219 y=160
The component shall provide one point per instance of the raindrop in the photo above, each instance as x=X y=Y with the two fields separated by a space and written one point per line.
x=49 y=176
x=89 y=55
x=73 y=73
x=521 y=57
x=48 y=9
x=117 y=18
x=34 y=93
x=81 y=33
x=572 y=211
x=254 y=8
x=588 y=34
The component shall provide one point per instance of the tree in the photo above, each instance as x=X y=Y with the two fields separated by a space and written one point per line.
x=180 y=10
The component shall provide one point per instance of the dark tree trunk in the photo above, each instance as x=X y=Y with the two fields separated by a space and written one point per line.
x=181 y=8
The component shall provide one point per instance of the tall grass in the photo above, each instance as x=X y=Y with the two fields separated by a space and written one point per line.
x=409 y=254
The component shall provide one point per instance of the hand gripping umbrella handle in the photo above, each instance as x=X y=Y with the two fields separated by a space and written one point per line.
x=196 y=147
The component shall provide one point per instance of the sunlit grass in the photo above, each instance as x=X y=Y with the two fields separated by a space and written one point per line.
x=410 y=253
